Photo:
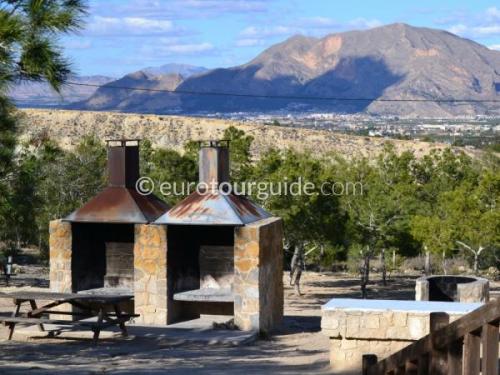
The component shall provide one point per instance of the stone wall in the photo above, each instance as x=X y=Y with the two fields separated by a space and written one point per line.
x=258 y=283
x=354 y=332
x=60 y=252
x=465 y=289
x=60 y=242
x=150 y=274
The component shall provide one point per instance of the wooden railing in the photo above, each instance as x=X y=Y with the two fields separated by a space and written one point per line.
x=450 y=348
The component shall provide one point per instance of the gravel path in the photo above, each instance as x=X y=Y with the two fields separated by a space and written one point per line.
x=298 y=348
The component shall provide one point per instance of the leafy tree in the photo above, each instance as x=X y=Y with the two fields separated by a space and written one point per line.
x=378 y=216
x=312 y=220
x=240 y=155
x=168 y=166
x=67 y=180
x=29 y=31
x=474 y=222
x=239 y=150
x=435 y=174
x=29 y=50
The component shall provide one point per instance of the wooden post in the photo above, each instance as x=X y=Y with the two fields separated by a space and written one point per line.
x=472 y=356
x=423 y=365
x=368 y=361
x=400 y=370
x=455 y=353
x=489 y=338
x=411 y=368
x=438 y=357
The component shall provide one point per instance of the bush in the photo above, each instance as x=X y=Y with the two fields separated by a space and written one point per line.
x=457 y=266
x=354 y=259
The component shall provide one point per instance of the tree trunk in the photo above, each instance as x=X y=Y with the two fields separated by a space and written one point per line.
x=476 y=263
x=427 y=265
x=296 y=266
x=384 y=269
x=365 y=274
x=445 y=270
x=393 y=260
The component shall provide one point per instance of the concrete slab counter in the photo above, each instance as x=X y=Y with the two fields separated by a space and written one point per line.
x=382 y=327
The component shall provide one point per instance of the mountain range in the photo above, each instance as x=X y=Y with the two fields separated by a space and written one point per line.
x=395 y=61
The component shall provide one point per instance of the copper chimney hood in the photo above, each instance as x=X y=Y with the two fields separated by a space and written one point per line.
x=214 y=206
x=120 y=202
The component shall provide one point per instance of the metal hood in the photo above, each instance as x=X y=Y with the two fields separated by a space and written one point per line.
x=214 y=208
x=211 y=205
x=120 y=202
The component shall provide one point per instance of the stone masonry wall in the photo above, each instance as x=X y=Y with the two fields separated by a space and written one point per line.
x=60 y=242
x=60 y=251
x=150 y=274
x=354 y=333
x=258 y=283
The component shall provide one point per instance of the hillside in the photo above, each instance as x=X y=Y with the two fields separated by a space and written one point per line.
x=39 y=94
x=395 y=61
x=68 y=127
x=108 y=97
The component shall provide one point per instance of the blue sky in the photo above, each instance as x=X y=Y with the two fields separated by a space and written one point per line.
x=122 y=36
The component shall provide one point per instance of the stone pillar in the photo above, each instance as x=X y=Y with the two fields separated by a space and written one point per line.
x=258 y=279
x=150 y=274
x=421 y=289
x=477 y=291
x=60 y=255
x=60 y=243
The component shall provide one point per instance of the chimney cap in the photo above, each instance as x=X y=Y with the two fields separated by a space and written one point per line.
x=214 y=143
x=122 y=142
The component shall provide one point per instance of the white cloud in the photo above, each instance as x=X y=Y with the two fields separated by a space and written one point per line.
x=318 y=22
x=479 y=25
x=458 y=29
x=249 y=42
x=182 y=9
x=312 y=26
x=496 y=47
x=487 y=30
x=163 y=48
x=493 y=13
x=264 y=32
x=187 y=48
x=259 y=36
x=363 y=23
x=227 y=5
x=475 y=31
x=129 y=26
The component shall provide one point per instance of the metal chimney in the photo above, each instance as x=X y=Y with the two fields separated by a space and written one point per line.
x=217 y=206
x=120 y=202
x=213 y=168
x=123 y=162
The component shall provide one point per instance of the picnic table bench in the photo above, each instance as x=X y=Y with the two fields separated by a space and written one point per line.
x=104 y=307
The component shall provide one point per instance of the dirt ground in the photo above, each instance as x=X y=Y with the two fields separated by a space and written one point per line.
x=299 y=347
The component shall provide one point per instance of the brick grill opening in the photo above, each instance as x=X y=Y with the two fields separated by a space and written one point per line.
x=119 y=265
x=216 y=267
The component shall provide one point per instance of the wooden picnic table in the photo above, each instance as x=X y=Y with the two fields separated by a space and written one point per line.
x=104 y=307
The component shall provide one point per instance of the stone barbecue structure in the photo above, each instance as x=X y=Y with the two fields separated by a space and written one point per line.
x=452 y=288
x=93 y=248
x=213 y=253
x=381 y=327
